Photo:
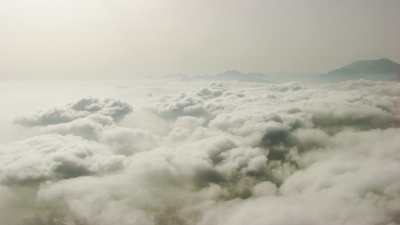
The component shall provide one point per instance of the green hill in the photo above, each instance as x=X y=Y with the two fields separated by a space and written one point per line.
x=379 y=69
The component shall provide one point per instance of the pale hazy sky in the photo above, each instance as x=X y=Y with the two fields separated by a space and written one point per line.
x=111 y=38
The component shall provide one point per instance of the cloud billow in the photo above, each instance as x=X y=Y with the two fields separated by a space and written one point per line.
x=114 y=109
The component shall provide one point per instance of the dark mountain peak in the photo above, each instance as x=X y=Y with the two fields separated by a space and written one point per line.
x=376 y=69
x=375 y=66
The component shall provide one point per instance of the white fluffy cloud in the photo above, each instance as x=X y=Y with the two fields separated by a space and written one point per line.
x=54 y=157
x=228 y=154
x=87 y=106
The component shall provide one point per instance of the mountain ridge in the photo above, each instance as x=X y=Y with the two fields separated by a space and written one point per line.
x=375 y=69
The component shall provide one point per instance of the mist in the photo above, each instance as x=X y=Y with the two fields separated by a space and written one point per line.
x=199 y=112
x=92 y=39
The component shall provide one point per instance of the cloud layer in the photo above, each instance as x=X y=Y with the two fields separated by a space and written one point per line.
x=282 y=154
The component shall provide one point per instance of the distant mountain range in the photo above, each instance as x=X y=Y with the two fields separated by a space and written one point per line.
x=234 y=75
x=379 y=69
x=231 y=75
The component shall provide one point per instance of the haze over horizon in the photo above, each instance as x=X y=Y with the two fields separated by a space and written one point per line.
x=125 y=39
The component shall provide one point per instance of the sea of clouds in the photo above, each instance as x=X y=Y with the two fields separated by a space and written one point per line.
x=196 y=153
